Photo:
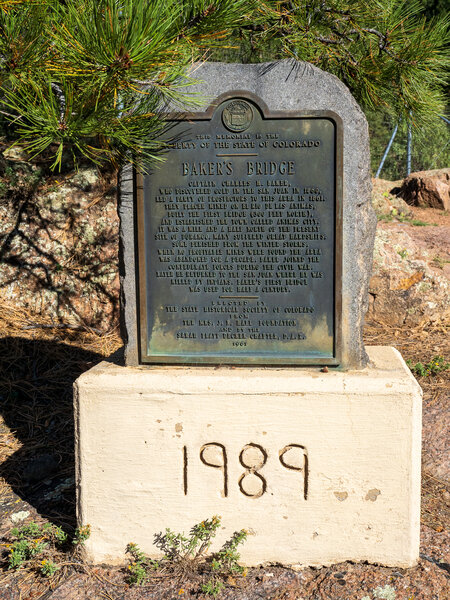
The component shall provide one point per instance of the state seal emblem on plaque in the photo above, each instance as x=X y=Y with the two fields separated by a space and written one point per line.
x=237 y=116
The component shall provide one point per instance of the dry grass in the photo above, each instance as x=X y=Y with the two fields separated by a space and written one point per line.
x=414 y=343
x=38 y=365
x=417 y=344
x=18 y=322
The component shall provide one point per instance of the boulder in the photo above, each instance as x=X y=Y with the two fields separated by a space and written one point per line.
x=60 y=247
x=385 y=203
x=427 y=189
x=404 y=289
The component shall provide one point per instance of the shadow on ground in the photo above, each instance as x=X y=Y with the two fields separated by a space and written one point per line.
x=36 y=405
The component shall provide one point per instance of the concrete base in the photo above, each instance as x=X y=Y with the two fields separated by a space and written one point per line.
x=319 y=467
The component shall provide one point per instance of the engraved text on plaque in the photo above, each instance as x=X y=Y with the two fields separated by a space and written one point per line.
x=239 y=239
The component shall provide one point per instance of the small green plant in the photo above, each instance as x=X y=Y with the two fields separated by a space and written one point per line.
x=178 y=548
x=213 y=587
x=30 y=541
x=31 y=530
x=22 y=550
x=33 y=540
x=402 y=253
x=187 y=554
x=419 y=223
x=48 y=568
x=140 y=566
x=402 y=218
x=440 y=262
x=436 y=365
x=226 y=560
x=60 y=535
x=54 y=534
x=416 y=222
x=137 y=574
x=81 y=534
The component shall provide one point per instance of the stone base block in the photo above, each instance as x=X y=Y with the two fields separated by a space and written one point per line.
x=318 y=467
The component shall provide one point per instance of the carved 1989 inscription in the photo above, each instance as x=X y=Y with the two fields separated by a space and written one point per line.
x=238 y=243
x=252 y=483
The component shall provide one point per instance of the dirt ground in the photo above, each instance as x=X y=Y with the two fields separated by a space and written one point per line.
x=428 y=227
x=39 y=364
x=432 y=236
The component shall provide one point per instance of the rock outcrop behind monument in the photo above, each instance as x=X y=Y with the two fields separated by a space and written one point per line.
x=427 y=189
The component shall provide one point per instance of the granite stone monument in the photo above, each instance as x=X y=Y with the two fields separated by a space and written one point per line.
x=246 y=390
x=270 y=178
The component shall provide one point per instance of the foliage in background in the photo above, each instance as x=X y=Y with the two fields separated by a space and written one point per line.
x=430 y=144
x=385 y=51
x=392 y=54
x=434 y=8
x=93 y=76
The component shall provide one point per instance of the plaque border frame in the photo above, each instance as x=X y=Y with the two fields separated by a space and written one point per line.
x=236 y=360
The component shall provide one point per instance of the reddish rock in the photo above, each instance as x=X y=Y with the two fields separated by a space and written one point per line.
x=405 y=288
x=427 y=188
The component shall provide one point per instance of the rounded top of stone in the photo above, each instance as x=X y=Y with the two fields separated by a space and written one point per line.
x=283 y=85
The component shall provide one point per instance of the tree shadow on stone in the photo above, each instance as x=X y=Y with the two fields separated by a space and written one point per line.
x=36 y=400
x=59 y=245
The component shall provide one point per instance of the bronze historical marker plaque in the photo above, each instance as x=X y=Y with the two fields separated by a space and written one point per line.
x=239 y=239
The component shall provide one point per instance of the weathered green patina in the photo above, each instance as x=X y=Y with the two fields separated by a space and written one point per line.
x=239 y=238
